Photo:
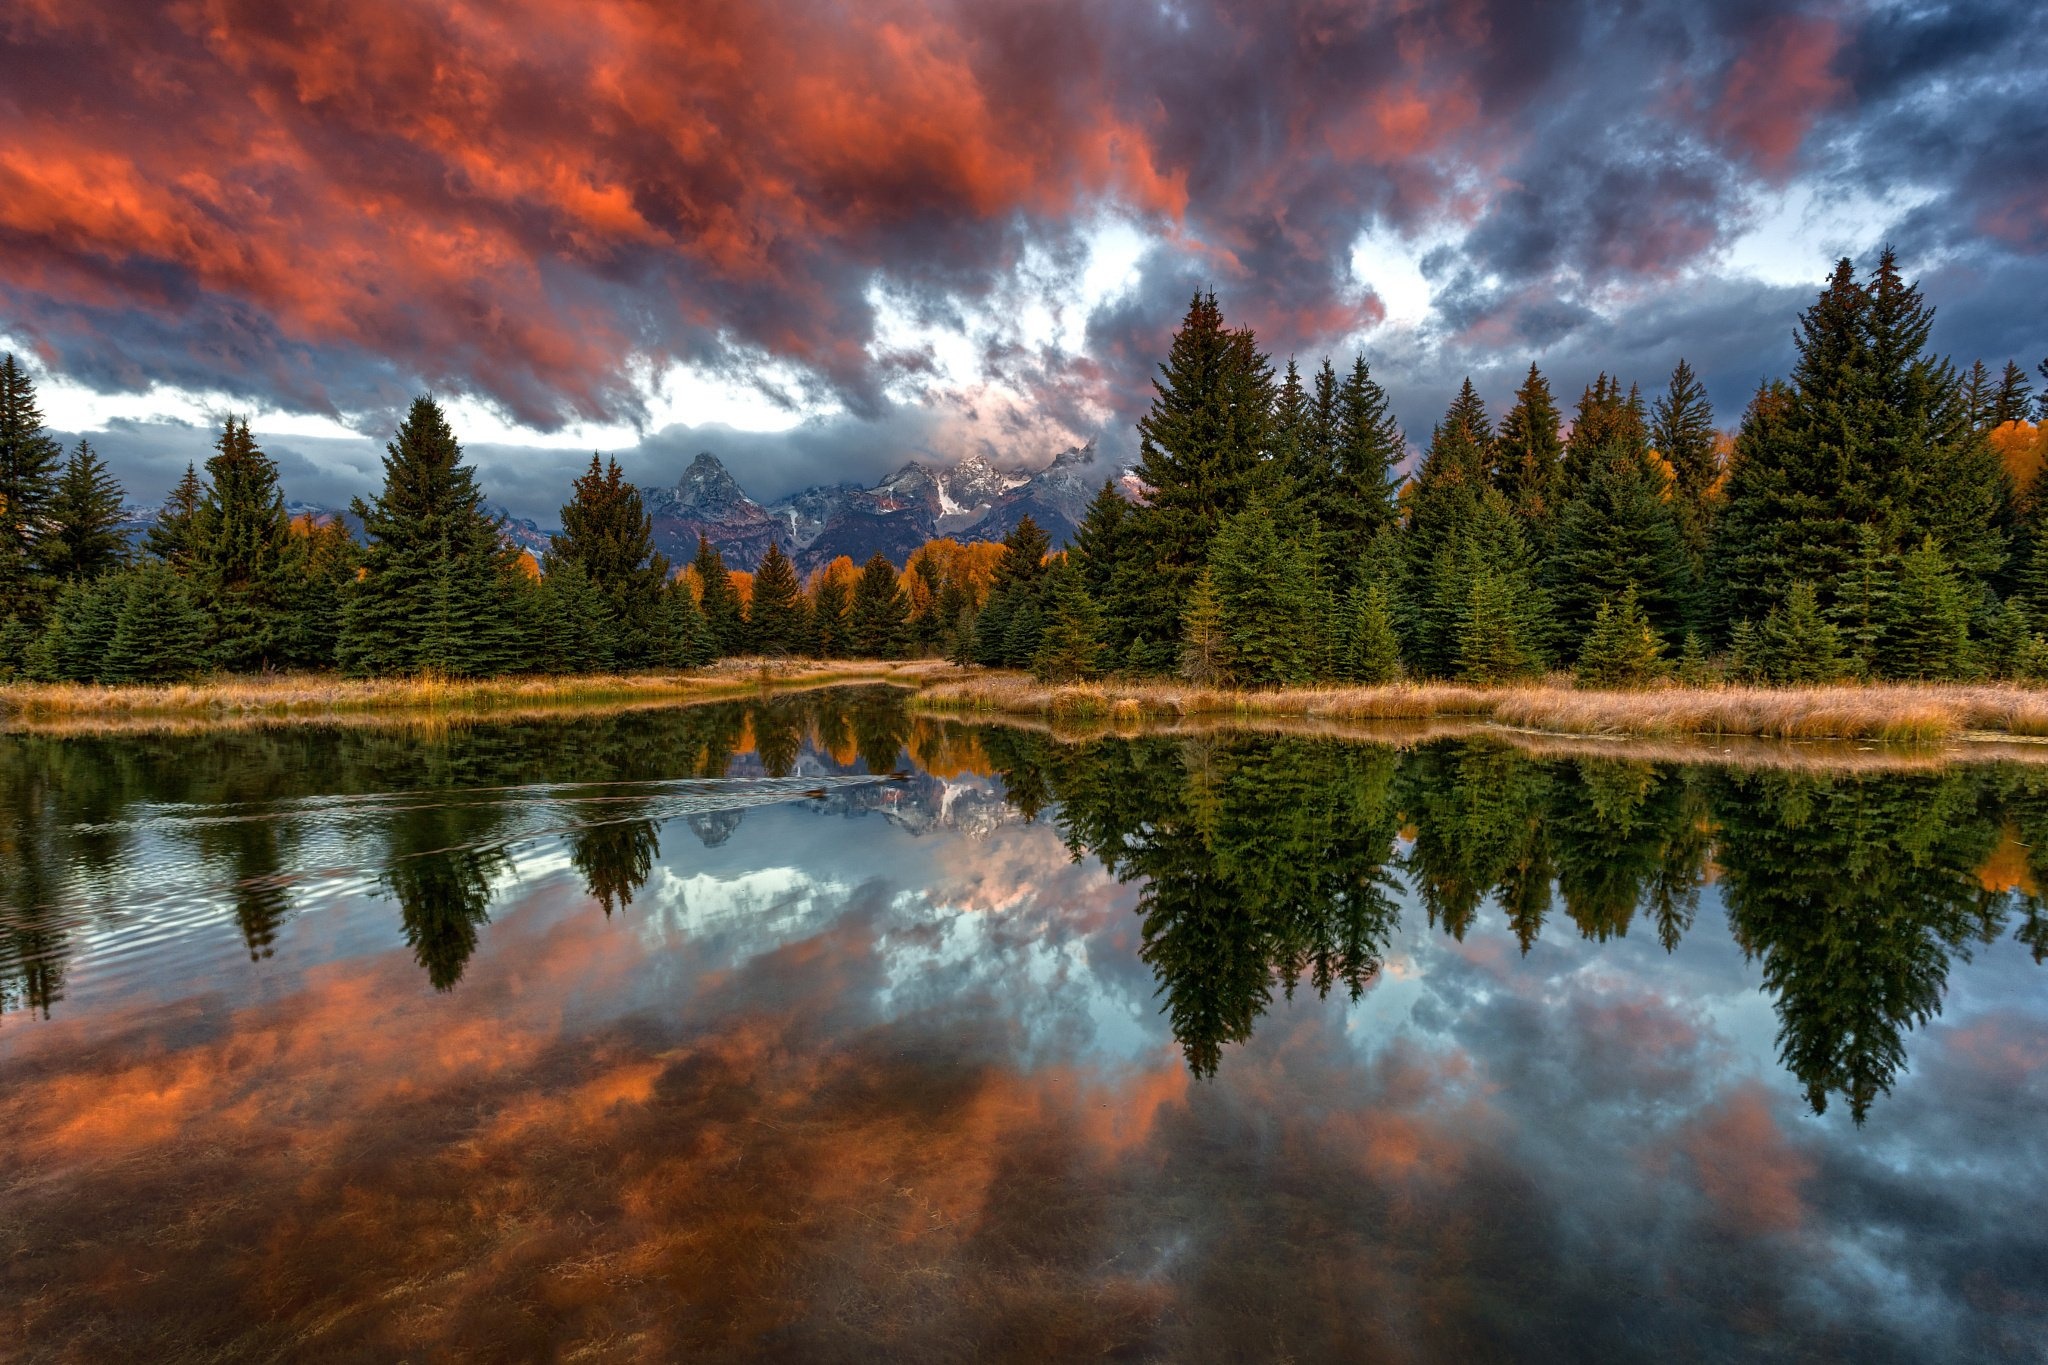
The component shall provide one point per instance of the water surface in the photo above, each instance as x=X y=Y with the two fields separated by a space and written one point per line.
x=696 y=1034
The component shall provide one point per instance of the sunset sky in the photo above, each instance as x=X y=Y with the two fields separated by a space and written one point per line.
x=819 y=239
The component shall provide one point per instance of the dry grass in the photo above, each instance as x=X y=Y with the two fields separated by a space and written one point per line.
x=1886 y=714
x=326 y=697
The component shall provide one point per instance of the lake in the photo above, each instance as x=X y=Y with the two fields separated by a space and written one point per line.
x=809 y=1028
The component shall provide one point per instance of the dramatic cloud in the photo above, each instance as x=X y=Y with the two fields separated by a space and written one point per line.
x=861 y=231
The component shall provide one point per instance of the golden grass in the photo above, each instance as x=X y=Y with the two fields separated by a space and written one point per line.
x=1886 y=714
x=323 y=697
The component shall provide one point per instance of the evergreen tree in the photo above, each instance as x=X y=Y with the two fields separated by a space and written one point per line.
x=578 y=626
x=1526 y=454
x=1682 y=430
x=607 y=530
x=439 y=590
x=1024 y=552
x=28 y=484
x=2012 y=401
x=720 y=600
x=1205 y=647
x=1621 y=649
x=831 y=630
x=1489 y=543
x=1927 y=628
x=1444 y=507
x=1070 y=647
x=237 y=563
x=1796 y=645
x=1608 y=423
x=1202 y=452
x=879 y=614
x=169 y=537
x=320 y=564
x=1492 y=643
x=79 y=630
x=1977 y=397
x=1694 y=668
x=776 y=615
x=688 y=636
x=1863 y=601
x=160 y=635
x=1102 y=551
x=82 y=541
x=1372 y=653
x=1617 y=533
x=1263 y=591
x=1358 y=502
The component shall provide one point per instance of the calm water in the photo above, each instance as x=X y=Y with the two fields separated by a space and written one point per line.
x=691 y=1034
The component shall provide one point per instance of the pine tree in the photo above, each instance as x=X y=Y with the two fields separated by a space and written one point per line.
x=578 y=624
x=831 y=631
x=2012 y=401
x=439 y=589
x=1695 y=669
x=1488 y=542
x=1526 y=455
x=1863 y=601
x=1492 y=644
x=1607 y=424
x=1205 y=648
x=688 y=637
x=1202 y=452
x=1682 y=430
x=78 y=630
x=320 y=564
x=160 y=635
x=880 y=614
x=1617 y=533
x=1372 y=653
x=776 y=615
x=28 y=484
x=1365 y=447
x=720 y=600
x=1024 y=552
x=169 y=537
x=1101 y=551
x=1621 y=649
x=82 y=541
x=1927 y=630
x=1070 y=647
x=1263 y=591
x=1796 y=645
x=238 y=547
x=1977 y=397
x=607 y=530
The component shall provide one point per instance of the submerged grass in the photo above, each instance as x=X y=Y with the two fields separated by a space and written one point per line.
x=1895 y=713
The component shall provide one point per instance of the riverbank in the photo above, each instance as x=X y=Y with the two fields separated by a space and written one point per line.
x=1896 y=713
x=325 y=697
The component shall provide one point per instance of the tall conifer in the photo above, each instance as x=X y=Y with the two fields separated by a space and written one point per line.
x=1526 y=455
x=169 y=537
x=607 y=530
x=29 y=458
x=720 y=602
x=83 y=541
x=776 y=614
x=879 y=614
x=237 y=564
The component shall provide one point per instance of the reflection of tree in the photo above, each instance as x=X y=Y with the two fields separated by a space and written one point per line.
x=615 y=859
x=880 y=726
x=1260 y=857
x=1628 y=835
x=1477 y=809
x=778 y=737
x=442 y=870
x=1854 y=893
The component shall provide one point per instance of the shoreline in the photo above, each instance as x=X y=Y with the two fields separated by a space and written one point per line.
x=1895 y=714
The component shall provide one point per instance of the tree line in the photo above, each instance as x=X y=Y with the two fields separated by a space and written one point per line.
x=1880 y=513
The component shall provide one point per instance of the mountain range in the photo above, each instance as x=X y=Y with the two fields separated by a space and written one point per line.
x=969 y=500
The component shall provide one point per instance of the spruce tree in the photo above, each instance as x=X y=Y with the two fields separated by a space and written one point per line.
x=1263 y=590
x=169 y=537
x=2012 y=400
x=831 y=631
x=1695 y=669
x=237 y=564
x=1621 y=649
x=439 y=589
x=1205 y=647
x=720 y=600
x=578 y=622
x=29 y=458
x=321 y=560
x=1796 y=645
x=880 y=614
x=1372 y=652
x=79 y=629
x=1492 y=643
x=1443 y=506
x=1101 y=550
x=1202 y=452
x=1862 y=599
x=1927 y=628
x=1070 y=647
x=688 y=638
x=1489 y=542
x=776 y=615
x=1365 y=447
x=1526 y=454
x=1618 y=533
x=1607 y=423
x=1682 y=430
x=607 y=530
x=160 y=635
x=82 y=541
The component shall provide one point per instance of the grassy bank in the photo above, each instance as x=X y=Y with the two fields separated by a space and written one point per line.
x=1890 y=713
x=326 y=697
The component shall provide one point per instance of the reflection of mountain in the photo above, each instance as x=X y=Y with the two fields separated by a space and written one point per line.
x=971 y=500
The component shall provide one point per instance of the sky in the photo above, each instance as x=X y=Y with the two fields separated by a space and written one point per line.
x=821 y=238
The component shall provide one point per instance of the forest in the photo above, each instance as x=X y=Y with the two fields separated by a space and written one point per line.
x=1880 y=513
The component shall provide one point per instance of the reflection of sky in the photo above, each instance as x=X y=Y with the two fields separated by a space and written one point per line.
x=842 y=1054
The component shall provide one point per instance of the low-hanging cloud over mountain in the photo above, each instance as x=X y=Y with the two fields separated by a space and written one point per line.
x=861 y=231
